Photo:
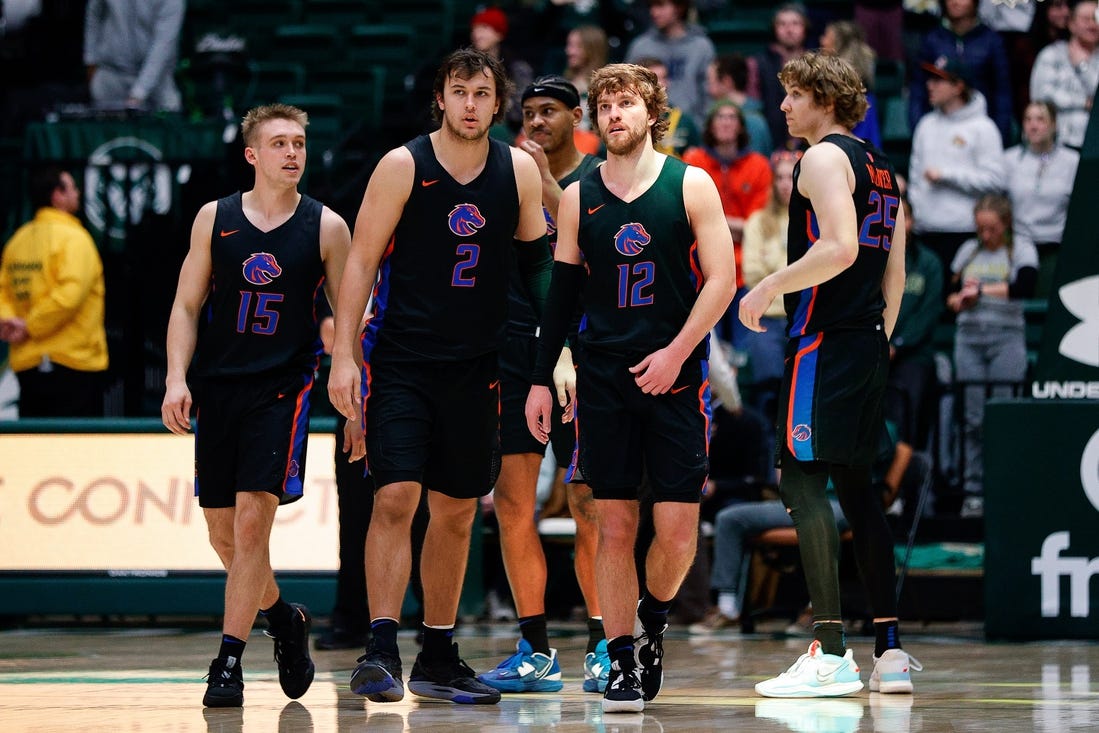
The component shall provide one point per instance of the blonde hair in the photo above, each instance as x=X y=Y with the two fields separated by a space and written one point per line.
x=256 y=116
x=851 y=45
x=622 y=77
x=831 y=80
x=776 y=214
x=593 y=40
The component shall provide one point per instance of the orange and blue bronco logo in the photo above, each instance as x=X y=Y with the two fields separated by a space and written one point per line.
x=261 y=268
x=465 y=219
x=631 y=238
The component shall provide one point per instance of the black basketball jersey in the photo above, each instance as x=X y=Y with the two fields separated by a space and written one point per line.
x=521 y=316
x=853 y=298
x=261 y=313
x=643 y=270
x=442 y=292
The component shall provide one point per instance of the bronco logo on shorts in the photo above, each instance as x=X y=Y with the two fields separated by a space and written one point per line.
x=261 y=268
x=465 y=219
x=631 y=239
x=801 y=432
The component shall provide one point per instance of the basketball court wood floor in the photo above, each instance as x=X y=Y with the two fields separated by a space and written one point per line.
x=135 y=680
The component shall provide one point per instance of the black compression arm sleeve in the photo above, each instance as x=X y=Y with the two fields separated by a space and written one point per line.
x=535 y=265
x=560 y=304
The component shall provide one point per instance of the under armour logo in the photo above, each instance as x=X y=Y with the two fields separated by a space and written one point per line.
x=1081 y=342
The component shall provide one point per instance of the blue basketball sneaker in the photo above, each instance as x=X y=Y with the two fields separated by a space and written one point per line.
x=597 y=668
x=525 y=671
x=815 y=674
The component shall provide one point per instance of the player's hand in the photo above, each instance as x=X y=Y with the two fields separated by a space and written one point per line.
x=175 y=411
x=752 y=307
x=535 y=151
x=538 y=412
x=564 y=380
x=354 y=442
x=344 y=387
x=657 y=372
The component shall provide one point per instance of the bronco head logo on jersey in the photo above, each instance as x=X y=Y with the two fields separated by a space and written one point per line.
x=465 y=219
x=631 y=239
x=261 y=268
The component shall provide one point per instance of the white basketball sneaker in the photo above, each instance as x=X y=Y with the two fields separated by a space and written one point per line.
x=892 y=671
x=815 y=674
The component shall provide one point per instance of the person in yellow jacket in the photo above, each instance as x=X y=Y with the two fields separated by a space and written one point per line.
x=51 y=305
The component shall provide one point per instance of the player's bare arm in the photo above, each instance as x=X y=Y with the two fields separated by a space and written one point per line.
x=827 y=180
x=532 y=222
x=335 y=244
x=657 y=373
x=380 y=211
x=191 y=292
x=893 y=281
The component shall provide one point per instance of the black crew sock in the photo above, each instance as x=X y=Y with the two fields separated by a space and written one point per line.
x=437 y=642
x=384 y=631
x=887 y=636
x=231 y=648
x=653 y=612
x=278 y=617
x=596 y=633
x=620 y=649
x=831 y=637
x=533 y=629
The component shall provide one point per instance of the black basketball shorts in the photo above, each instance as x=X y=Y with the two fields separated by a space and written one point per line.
x=622 y=430
x=434 y=422
x=251 y=435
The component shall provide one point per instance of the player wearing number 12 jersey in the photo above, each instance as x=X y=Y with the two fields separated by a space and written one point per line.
x=443 y=220
x=843 y=285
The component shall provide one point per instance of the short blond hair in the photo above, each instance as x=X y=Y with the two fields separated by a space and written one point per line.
x=831 y=80
x=267 y=112
x=620 y=77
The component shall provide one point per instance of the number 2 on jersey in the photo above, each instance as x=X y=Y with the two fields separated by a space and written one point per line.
x=468 y=255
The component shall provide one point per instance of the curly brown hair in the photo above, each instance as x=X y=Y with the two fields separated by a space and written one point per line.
x=267 y=112
x=621 y=77
x=831 y=80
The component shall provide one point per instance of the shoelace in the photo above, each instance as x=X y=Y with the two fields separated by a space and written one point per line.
x=796 y=665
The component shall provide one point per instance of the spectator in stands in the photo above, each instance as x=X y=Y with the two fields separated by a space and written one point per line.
x=908 y=390
x=956 y=157
x=586 y=50
x=1067 y=72
x=130 y=51
x=992 y=274
x=682 y=130
x=1012 y=22
x=764 y=253
x=963 y=38
x=1040 y=173
x=844 y=38
x=1050 y=24
x=51 y=305
x=727 y=79
x=684 y=48
x=487 y=30
x=743 y=179
x=883 y=23
x=791 y=28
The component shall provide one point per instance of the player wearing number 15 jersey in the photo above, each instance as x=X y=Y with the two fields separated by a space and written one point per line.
x=257 y=261
x=843 y=285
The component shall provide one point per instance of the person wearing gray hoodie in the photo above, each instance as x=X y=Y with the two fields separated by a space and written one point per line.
x=957 y=156
x=684 y=48
x=130 y=50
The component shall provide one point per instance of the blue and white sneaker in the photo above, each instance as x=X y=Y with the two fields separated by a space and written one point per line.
x=815 y=674
x=525 y=671
x=597 y=668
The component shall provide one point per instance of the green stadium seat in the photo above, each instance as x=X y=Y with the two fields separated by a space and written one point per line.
x=747 y=35
x=341 y=13
x=268 y=80
x=309 y=44
x=888 y=77
x=433 y=20
x=361 y=87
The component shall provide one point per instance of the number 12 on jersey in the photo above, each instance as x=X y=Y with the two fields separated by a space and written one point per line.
x=635 y=284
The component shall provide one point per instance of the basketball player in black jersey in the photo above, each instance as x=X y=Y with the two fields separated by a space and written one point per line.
x=551 y=114
x=442 y=223
x=651 y=234
x=257 y=261
x=842 y=290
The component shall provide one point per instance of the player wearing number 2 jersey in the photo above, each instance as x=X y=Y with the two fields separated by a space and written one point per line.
x=843 y=286
x=257 y=261
x=441 y=222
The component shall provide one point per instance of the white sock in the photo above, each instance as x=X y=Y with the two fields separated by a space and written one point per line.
x=726 y=604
